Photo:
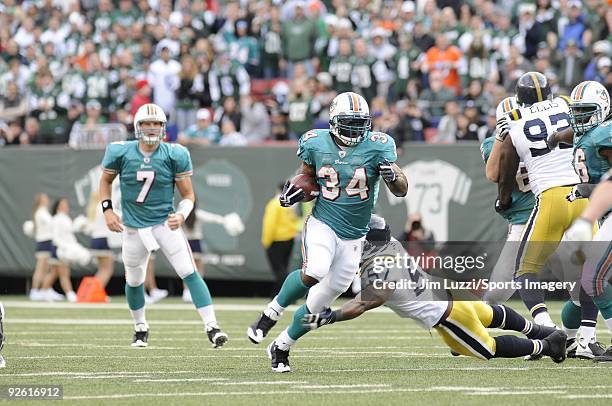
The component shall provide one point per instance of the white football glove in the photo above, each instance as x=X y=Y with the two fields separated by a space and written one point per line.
x=501 y=129
x=385 y=169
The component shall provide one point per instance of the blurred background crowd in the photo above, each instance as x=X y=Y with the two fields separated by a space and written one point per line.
x=250 y=72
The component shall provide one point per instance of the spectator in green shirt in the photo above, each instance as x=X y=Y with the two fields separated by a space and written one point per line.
x=298 y=37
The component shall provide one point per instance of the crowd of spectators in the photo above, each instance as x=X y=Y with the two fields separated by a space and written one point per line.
x=251 y=71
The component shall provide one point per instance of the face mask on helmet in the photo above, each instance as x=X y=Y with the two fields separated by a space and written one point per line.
x=350 y=129
x=585 y=116
x=150 y=135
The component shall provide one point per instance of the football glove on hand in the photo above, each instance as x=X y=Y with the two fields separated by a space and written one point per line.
x=385 y=169
x=574 y=194
x=290 y=195
x=551 y=141
x=501 y=129
x=314 y=321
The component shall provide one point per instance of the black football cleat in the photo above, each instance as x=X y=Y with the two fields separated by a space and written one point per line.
x=217 y=337
x=570 y=347
x=260 y=329
x=141 y=336
x=605 y=357
x=279 y=358
x=554 y=346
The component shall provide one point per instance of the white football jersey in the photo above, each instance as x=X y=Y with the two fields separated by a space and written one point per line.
x=529 y=127
x=412 y=297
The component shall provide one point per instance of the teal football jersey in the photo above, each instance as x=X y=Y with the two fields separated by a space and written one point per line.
x=588 y=163
x=147 y=183
x=522 y=198
x=348 y=179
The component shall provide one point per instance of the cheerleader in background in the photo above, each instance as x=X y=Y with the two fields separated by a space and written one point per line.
x=100 y=234
x=41 y=229
x=232 y=223
x=66 y=247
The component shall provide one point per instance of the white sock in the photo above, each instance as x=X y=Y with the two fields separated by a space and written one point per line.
x=274 y=310
x=283 y=341
x=609 y=324
x=543 y=319
x=139 y=316
x=587 y=334
x=571 y=332
x=207 y=313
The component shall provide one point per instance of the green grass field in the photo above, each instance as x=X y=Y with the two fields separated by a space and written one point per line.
x=377 y=359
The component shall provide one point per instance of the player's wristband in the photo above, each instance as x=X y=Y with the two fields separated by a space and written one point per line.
x=107 y=205
x=184 y=207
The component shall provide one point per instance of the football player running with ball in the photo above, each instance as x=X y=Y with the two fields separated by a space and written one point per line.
x=347 y=162
x=149 y=169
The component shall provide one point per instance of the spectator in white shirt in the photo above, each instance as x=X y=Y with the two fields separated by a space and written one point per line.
x=165 y=80
x=230 y=137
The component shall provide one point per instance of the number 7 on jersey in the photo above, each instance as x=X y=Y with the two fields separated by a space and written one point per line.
x=148 y=177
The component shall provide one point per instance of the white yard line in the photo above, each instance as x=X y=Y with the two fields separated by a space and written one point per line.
x=179 y=380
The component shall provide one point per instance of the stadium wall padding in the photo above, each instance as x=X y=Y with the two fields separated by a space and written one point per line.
x=447 y=186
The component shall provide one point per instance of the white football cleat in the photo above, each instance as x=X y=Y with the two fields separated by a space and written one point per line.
x=589 y=351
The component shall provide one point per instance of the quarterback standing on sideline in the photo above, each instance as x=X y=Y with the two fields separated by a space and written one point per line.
x=149 y=169
x=347 y=162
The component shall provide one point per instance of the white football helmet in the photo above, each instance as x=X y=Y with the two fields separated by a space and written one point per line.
x=349 y=118
x=590 y=106
x=506 y=106
x=150 y=112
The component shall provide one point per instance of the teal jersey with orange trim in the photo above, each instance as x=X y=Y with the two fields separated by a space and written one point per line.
x=522 y=198
x=147 y=182
x=348 y=179
x=589 y=163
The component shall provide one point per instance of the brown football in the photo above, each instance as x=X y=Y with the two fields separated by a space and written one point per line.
x=308 y=184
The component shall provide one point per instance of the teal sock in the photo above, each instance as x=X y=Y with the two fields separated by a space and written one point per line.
x=292 y=290
x=296 y=330
x=200 y=294
x=135 y=296
x=604 y=302
x=571 y=315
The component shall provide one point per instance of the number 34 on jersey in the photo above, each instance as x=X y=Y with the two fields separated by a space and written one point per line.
x=348 y=178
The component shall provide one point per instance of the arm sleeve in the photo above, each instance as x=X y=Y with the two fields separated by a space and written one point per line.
x=183 y=167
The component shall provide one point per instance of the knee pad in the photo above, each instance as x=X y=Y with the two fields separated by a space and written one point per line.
x=135 y=276
x=321 y=296
x=183 y=264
